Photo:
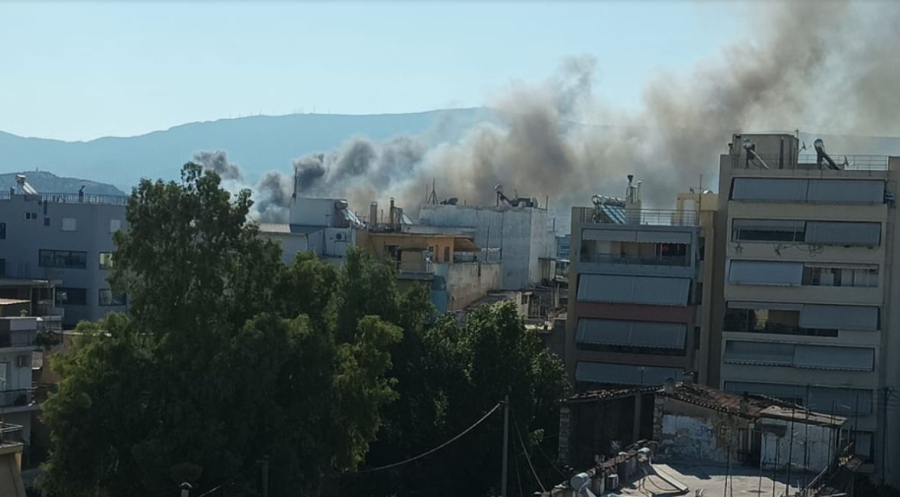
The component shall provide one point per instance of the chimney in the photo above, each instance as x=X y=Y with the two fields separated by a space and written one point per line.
x=391 y=213
x=373 y=214
x=669 y=386
x=633 y=202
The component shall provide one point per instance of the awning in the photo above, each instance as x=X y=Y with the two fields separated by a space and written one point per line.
x=461 y=244
x=766 y=273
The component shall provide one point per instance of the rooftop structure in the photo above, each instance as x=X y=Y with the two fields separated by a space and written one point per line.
x=518 y=228
x=66 y=238
x=325 y=226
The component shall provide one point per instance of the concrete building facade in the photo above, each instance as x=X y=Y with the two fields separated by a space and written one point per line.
x=523 y=234
x=325 y=226
x=66 y=238
x=804 y=288
x=636 y=313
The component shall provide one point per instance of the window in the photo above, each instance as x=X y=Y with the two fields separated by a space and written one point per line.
x=446 y=254
x=696 y=338
x=2 y=268
x=770 y=320
x=71 y=296
x=46 y=221
x=62 y=259
x=106 y=260
x=30 y=215
x=2 y=231
x=759 y=230
x=69 y=224
x=107 y=297
x=115 y=225
x=848 y=276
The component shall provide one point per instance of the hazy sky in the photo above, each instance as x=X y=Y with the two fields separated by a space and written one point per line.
x=77 y=71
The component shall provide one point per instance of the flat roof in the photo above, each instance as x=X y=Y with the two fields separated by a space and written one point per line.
x=710 y=480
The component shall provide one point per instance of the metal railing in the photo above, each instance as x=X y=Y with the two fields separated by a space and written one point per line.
x=10 y=434
x=17 y=338
x=73 y=198
x=647 y=261
x=416 y=267
x=21 y=397
x=808 y=162
x=646 y=217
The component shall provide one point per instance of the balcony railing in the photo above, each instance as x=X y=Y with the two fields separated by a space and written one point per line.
x=632 y=260
x=807 y=162
x=647 y=217
x=74 y=198
x=416 y=267
x=17 y=339
x=10 y=434
x=14 y=398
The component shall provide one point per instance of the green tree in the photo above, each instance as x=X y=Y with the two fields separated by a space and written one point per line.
x=459 y=372
x=227 y=357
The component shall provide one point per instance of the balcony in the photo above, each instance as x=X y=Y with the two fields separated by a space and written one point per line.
x=10 y=434
x=681 y=261
x=643 y=217
x=21 y=338
x=16 y=398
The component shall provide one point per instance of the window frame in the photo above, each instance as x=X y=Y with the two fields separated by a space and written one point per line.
x=52 y=254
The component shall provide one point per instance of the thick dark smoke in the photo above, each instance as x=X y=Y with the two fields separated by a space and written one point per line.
x=825 y=66
x=218 y=162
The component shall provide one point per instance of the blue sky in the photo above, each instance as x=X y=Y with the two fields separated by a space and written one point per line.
x=77 y=71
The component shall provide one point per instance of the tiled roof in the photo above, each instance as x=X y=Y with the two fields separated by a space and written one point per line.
x=758 y=406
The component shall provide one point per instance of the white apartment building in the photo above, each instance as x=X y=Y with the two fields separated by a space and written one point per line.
x=806 y=289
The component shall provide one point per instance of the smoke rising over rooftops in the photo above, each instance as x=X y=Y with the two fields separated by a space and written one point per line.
x=821 y=66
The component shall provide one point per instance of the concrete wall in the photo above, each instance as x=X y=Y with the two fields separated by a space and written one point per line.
x=313 y=211
x=470 y=281
x=695 y=433
x=521 y=234
x=291 y=244
x=26 y=237
x=813 y=446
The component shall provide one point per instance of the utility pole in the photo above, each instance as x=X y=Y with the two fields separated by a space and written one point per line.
x=264 y=463
x=505 y=446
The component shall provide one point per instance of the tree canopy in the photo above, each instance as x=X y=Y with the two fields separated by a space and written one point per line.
x=229 y=357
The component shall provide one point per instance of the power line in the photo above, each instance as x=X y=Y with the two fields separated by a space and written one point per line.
x=525 y=451
x=432 y=451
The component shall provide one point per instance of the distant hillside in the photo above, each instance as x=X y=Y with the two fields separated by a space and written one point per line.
x=45 y=182
x=257 y=144
x=262 y=143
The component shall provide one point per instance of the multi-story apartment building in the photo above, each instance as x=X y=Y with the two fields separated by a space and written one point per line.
x=324 y=226
x=66 y=238
x=637 y=314
x=806 y=283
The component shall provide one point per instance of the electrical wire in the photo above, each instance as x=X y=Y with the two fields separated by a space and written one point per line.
x=429 y=452
x=525 y=451
x=552 y=464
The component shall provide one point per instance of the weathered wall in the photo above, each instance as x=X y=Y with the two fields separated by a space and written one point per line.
x=813 y=446
x=690 y=432
x=510 y=229
x=470 y=281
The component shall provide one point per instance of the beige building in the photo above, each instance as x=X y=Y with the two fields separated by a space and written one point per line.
x=638 y=311
x=805 y=285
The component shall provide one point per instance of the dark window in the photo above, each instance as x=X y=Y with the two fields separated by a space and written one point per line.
x=107 y=297
x=62 y=259
x=31 y=215
x=696 y=338
x=2 y=231
x=46 y=221
x=106 y=260
x=2 y=268
x=775 y=321
x=71 y=296
x=768 y=230
x=446 y=254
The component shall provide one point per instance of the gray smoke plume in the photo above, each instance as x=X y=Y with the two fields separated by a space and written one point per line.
x=218 y=162
x=825 y=66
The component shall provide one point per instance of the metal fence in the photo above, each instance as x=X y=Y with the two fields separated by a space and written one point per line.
x=74 y=198
x=808 y=162
x=648 y=261
x=10 y=433
x=20 y=397
x=647 y=217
